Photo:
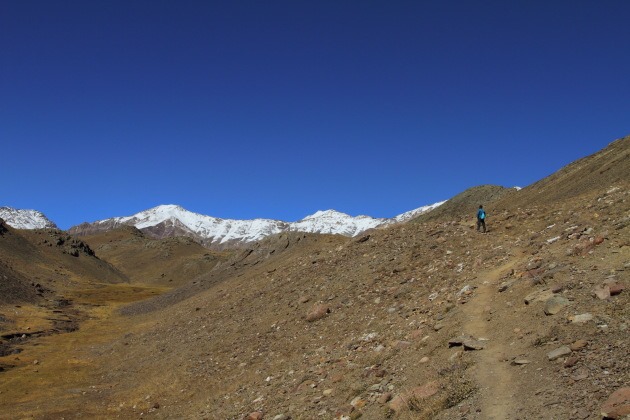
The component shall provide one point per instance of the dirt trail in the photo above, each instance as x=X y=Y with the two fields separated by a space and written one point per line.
x=494 y=378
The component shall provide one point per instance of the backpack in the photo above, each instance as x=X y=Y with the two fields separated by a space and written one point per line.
x=482 y=214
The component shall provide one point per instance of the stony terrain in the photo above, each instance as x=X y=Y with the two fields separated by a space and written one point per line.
x=429 y=319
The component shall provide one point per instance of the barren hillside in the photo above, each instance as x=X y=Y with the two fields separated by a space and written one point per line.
x=421 y=321
x=430 y=319
x=162 y=262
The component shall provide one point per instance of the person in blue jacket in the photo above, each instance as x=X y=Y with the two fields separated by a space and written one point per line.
x=481 y=219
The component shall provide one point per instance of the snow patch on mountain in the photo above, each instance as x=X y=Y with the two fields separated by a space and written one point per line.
x=417 y=212
x=25 y=219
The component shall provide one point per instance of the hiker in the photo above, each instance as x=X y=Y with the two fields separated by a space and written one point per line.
x=481 y=219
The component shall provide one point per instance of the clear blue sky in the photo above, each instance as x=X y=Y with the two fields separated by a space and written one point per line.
x=277 y=109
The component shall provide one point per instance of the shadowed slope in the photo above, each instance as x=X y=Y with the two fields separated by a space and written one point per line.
x=165 y=262
x=48 y=259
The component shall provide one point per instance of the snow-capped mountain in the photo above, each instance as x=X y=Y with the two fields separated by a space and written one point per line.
x=331 y=221
x=172 y=220
x=25 y=219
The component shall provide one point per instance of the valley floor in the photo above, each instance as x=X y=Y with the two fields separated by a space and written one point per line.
x=51 y=355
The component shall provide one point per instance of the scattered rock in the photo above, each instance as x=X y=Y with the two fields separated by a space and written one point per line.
x=504 y=286
x=571 y=361
x=317 y=312
x=538 y=296
x=557 y=353
x=425 y=359
x=617 y=405
x=578 y=345
x=468 y=342
x=602 y=292
x=385 y=398
x=256 y=415
x=337 y=378
x=472 y=344
x=415 y=334
x=583 y=413
x=580 y=319
x=555 y=304
x=457 y=341
x=466 y=290
x=579 y=375
x=557 y=288
x=401 y=401
x=519 y=362
x=344 y=412
x=402 y=344
x=552 y=240
x=615 y=289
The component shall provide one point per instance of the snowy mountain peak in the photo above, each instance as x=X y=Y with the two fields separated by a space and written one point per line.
x=321 y=214
x=167 y=208
x=162 y=213
x=335 y=222
x=25 y=219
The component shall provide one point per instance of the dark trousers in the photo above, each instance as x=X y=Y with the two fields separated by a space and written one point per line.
x=480 y=223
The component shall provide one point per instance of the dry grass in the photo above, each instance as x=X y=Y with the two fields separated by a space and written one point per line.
x=54 y=374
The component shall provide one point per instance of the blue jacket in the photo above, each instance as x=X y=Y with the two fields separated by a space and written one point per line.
x=481 y=214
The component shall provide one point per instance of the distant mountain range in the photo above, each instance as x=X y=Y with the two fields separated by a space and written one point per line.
x=173 y=220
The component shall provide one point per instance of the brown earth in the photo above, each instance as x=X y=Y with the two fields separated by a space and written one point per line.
x=423 y=320
x=145 y=260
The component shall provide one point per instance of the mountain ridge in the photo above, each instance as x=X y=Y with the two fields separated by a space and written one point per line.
x=173 y=220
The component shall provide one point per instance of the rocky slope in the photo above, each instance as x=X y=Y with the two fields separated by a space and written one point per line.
x=598 y=171
x=49 y=259
x=467 y=202
x=429 y=320
x=425 y=320
x=14 y=287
